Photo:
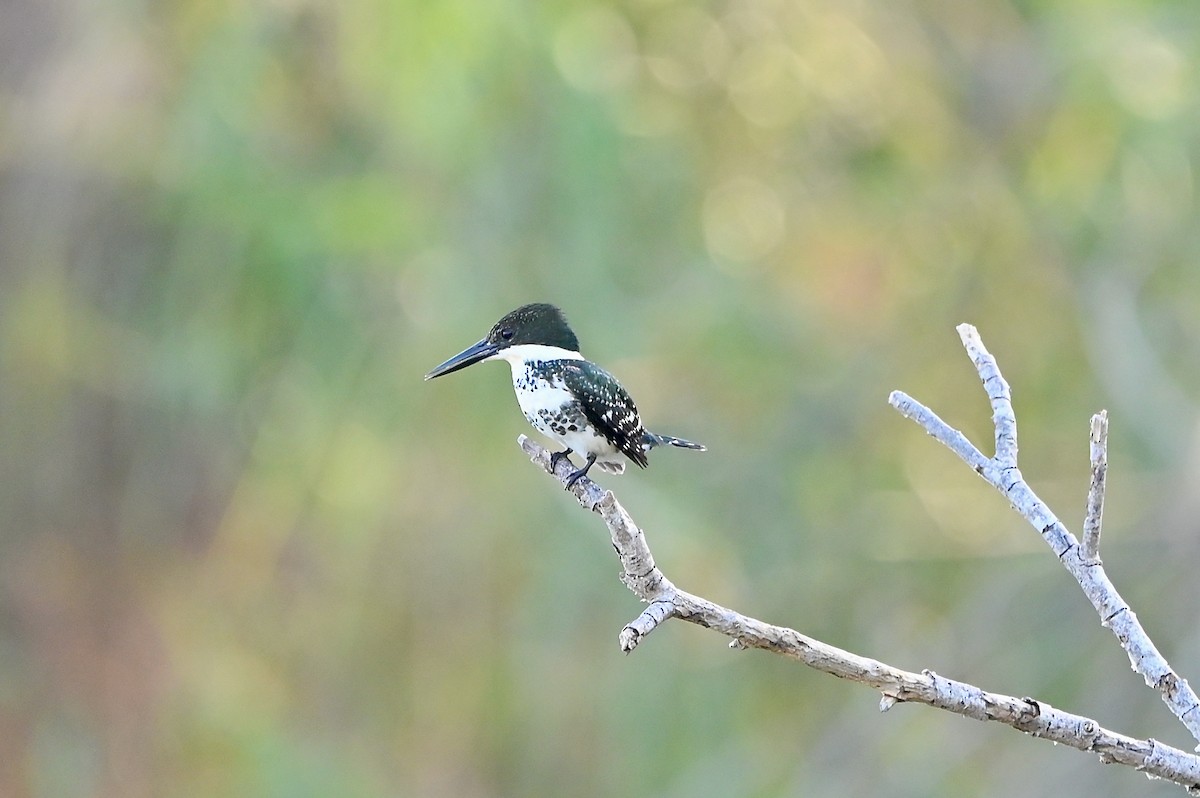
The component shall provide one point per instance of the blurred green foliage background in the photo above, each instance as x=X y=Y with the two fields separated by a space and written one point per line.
x=247 y=551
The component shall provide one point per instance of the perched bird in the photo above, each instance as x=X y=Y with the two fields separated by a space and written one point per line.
x=566 y=398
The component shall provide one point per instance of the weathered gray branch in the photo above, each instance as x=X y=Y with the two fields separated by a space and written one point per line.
x=664 y=601
x=1002 y=473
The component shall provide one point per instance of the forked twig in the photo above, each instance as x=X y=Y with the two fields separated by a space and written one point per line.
x=1002 y=473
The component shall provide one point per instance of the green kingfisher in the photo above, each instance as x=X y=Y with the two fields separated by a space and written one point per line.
x=565 y=397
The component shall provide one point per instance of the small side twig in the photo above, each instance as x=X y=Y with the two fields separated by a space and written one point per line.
x=1095 y=501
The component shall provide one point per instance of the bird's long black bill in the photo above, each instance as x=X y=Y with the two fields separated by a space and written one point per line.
x=472 y=354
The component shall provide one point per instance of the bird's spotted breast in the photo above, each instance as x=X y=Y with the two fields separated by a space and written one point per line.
x=555 y=411
x=546 y=402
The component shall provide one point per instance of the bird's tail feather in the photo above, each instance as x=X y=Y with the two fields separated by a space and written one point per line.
x=651 y=440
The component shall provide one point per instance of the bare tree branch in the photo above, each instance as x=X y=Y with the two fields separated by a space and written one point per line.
x=664 y=600
x=1002 y=473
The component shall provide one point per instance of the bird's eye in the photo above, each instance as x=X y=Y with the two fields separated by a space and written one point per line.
x=506 y=334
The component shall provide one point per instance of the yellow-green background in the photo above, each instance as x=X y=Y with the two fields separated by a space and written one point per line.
x=246 y=551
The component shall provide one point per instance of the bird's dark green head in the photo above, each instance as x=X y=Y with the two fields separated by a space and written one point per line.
x=538 y=324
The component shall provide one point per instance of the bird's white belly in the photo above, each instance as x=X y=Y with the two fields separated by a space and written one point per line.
x=554 y=412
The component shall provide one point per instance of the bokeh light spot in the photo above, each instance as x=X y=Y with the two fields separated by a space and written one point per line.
x=744 y=220
x=1149 y=76
x=685 y=48
x=764 y=85
x=595 y=50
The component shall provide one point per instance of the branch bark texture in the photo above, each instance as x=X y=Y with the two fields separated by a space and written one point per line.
x=1094 y=516
x=665 y=601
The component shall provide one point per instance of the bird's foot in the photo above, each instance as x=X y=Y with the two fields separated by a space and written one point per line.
x=571 y=480
x=556 y=456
